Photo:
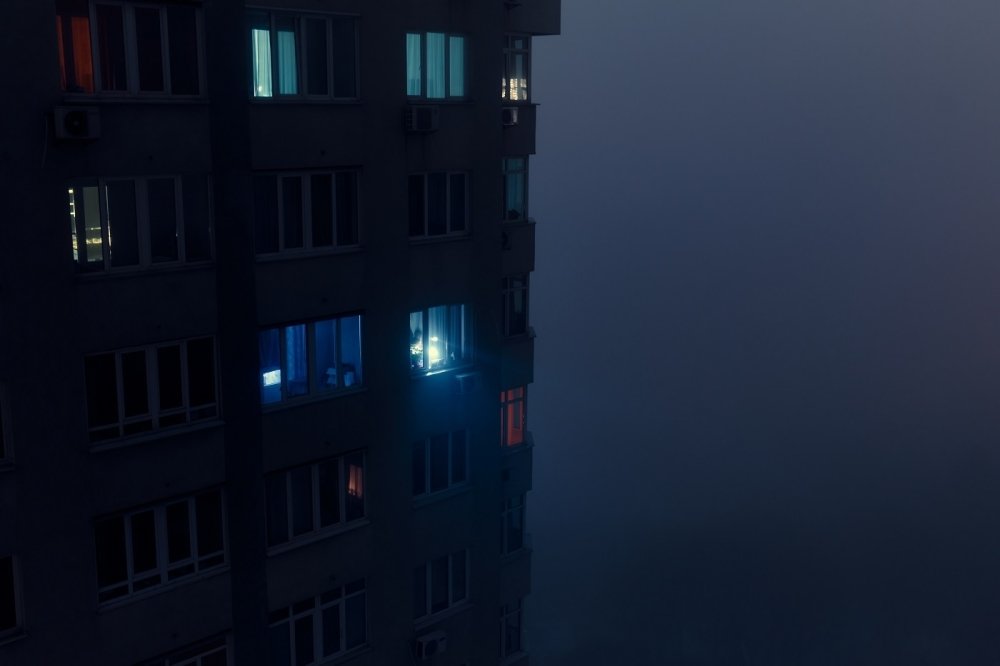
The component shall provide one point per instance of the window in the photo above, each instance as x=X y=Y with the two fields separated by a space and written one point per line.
x=435 y=65
x=139 y=222
x=513 y=416
x=9 y=620
x=150 y=547
x=517 y=57
x=439 y=463
x=311 y=55
x=440 y=584
x=315 y=497
x=305 y=211
x=512 y=525
x=438 y=203
x=314 y=358
x=206 y=653
x=148 y=388
x=4 y=437
x=515 y=305
x=515 y=183
x=116 y=47
x=512 y=629
x=312 y=630
x=440 y=338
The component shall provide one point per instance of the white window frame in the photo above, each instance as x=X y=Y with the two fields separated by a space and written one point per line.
x=18 y=606
x=132 y=51
x=153 y=390
x=452 y=484
x=305 y=179
x=429 y=584
x=422 y=350
x=515 y=608
x=288 y=616
x=301 y=62
x=448 y=210
x=508 y=310
x=448 y=97
x=163 y=567
x=509 y=51
x=506 y=400
x=194 y=654
x=343 y=491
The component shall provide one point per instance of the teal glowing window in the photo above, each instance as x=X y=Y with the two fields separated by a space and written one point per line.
x=435 y=65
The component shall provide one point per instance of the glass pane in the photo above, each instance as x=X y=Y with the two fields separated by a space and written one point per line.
x=325 y=364
x=416 y=340
x=437 y=337
x=197 y=233
x=270 y=365
x=300 y=485
x=439 y=584
x=296 y=363
x=8 y=607
x=514 y=189
x=354 y=483
x=458 y=460
x=123 y=225
x=134 y=386
x=149 y=47
x=182 y=31
x=178 y=532
x=287 y=58
x=76 y=65
x=456 y=202
x=435 y=65
x=347 y=208
x=208 y=509
x=439 y=462
x=85 y=216
x=277 y=509
x=143 y=542
x=420 y=591
x=291 y=203
x=109 y=539
x=413 y=69
x=416 y=204
x=350 y=351
x=304 y=649
x=102 y=389
x=329 y=493
x=265 y=213
x=515 y=526
x=162 y=220
x=201 y=371
x=317 y=71
x=111 y=47
x=519 y=78
x=419 y=467
x=456 y=66
x=322 y=210
x=356 y=629
x=168 y=368
x=280 y=645
x=344 y=58
x=331 y=630
x=458 y=576
x=437 y=204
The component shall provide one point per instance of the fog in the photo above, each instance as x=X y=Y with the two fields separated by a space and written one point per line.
x=768 y=359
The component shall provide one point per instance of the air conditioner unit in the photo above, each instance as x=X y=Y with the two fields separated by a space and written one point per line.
x=80 y=123
x=430 y=645
x=421 y=118
x=466 y=383
x=509 y=116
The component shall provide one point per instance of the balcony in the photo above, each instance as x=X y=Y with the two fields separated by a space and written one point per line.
x=534 y=17
x=519 y=129
x=518 y=243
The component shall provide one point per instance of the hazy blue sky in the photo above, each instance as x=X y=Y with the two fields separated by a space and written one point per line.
x=768 y=363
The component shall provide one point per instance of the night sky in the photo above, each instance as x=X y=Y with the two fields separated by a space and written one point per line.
x=768 y=360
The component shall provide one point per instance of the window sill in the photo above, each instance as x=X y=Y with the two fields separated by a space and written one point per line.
x=300 y=401
x=523 y=552
x=430 y=620
x=119 y=443
x=137 y=597
x=515 y=658
x=525 y=221
x=443 y=101
x=15 y=635
x=526 y=445
x=419 y=374
x=307 y=253
x=306 y=101
x=351 y=654
x=135 y=98
x=137 y=271
x=441 y=495
x=443 y=238
x=317 y=536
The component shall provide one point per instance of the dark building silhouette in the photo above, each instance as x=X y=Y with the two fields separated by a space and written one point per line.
x=264 y=350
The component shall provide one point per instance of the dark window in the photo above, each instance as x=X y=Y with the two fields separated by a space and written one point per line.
x=512 y=518
x=149 y=44
x=440 y=584
x=205 y=653
x=515 y=305
x=8 y=596
x=319 y=627
x=305 y=211
x=183 y=32
x=437 y=203
x=111 y=47
x=511 y=623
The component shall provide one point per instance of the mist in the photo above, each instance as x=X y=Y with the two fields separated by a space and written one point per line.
x=766 y=385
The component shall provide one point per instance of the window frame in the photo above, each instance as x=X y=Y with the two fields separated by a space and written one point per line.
x=318 y=530
x=131 y=51
x=313 y=392
x=449 y=217
x=6 y=438
x=161 y=544
x=426 y=461
x=18 y=627
x=522 y=173
x=509 y=53
x=509 y=298
x=288 y=615
x=508 y=610
x=510 y=509
x=155 y=413
x=193 y=654
x=305 y=183
x=301 y=64
x=448 y=97
x=509 y=399
x=422 y=351
x=428 y=584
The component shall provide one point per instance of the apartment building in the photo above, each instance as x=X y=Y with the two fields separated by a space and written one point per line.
x=265 y=350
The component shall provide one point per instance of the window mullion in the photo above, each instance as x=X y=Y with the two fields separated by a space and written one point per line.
x=193 y=531
x=120 y=388
x=329 y=58
x=290 y=530
x=314 y=492
x=165 y=50
x=160 y=535
x=143 y=235
x=129 y=564
x=307 y=240
x=179 y=218
x=131 y=50
x=153 y=384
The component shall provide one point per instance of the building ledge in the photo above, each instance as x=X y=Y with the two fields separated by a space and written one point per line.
x=430 y=620
x=173 y=431
x=317 y=536
x=441 y=495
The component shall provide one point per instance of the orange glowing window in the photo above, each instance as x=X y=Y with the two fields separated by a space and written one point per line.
x=76 y=66
x=513 y=416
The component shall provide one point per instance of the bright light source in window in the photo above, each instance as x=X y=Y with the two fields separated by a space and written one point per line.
x=271 y=377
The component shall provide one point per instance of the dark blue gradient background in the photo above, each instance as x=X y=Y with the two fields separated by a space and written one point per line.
x=768 y=363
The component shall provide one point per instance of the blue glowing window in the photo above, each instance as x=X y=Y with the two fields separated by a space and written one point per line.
x=440 y=338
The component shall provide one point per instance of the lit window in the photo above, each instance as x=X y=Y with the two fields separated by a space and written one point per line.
x=315 y=629
x=205 y=653
x=139 y=222
x=152 y=48
x=515 y=183
x=517 y=52
x=513 y=416
x=512 y=525
x=135 y=391
x=512 y=629
x=440 y=584
x=440 y=338
x=305 y=211
x=313 y=358
x=515 y=305
x=435 y=65
x=307 y=55
x=439 y=463
x=438 y=203
x=143 y=549
x=315 y=497
x=9 y=620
